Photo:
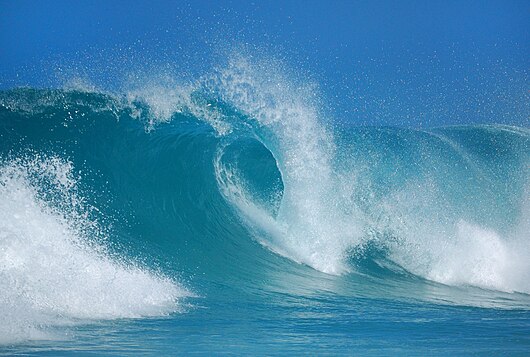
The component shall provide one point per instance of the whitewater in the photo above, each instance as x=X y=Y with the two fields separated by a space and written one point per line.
x=234 y=214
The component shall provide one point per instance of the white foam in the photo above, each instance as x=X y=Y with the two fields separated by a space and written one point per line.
x=435 y=244
x=52 y=272
x=481 y=257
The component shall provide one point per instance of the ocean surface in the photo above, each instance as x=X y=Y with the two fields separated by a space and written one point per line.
x=233 y=215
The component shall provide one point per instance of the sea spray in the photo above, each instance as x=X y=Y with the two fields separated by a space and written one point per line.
x=54 y=269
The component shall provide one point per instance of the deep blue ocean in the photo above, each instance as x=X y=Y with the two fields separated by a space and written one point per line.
x=233 y=215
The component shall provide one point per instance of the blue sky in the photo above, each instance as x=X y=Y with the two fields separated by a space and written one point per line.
x=417 y=63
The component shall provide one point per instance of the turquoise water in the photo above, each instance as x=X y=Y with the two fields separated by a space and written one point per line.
x=230 y=216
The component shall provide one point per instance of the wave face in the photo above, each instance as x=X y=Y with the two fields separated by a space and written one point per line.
x=109 y=201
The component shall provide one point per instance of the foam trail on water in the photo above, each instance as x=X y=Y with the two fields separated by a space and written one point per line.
x=51 y=270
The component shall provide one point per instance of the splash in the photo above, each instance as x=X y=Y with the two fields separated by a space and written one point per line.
x=312 y=227
x=54 y=267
